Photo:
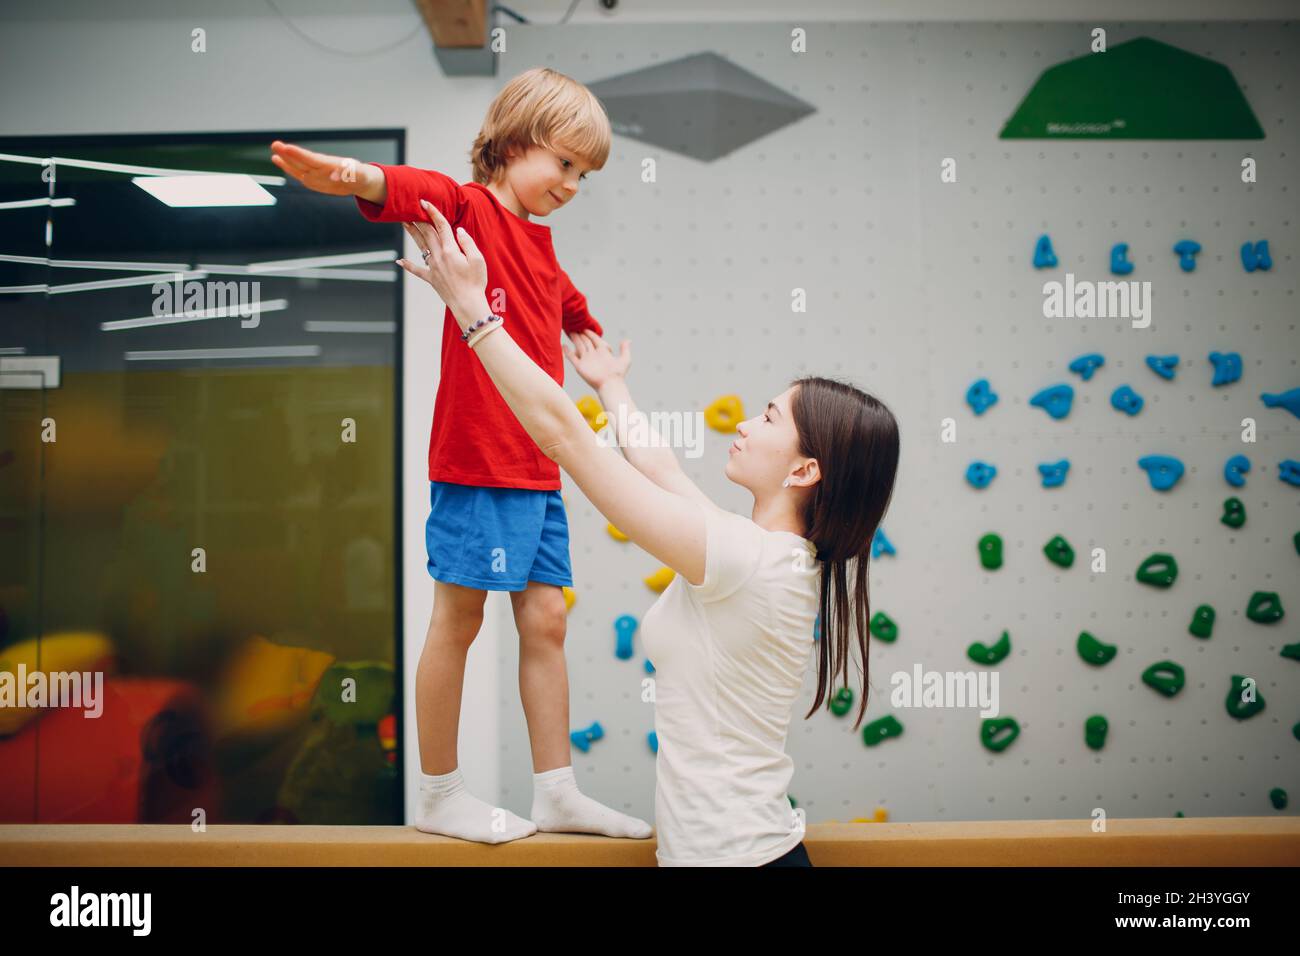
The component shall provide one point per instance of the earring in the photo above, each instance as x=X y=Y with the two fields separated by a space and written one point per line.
x=786 y=483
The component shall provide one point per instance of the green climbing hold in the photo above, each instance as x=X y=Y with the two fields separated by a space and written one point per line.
x=1295 y=731
x=1296 y=541
x=1094 y=651
x=882 y=729
x=1277 y=796
x=1234 y=513
x=1244 y=698
x=1159 y=570
x=1203 y=621
x=791 y=799
x=992 y=727
x=1058 y=551
x=1094 y=731
x=1179 y=813
x=1292 y=651
x=991 y=552
x=1165 y=676
x=1265 y=607
x=982 y=654
x=842 y=702
x=884 y=628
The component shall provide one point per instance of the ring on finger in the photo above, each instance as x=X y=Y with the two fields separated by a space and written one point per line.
x=426 y=253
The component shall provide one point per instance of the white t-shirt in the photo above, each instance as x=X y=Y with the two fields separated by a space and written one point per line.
x=730 y=657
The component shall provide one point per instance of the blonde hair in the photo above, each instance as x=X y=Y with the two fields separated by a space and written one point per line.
x=541 y=107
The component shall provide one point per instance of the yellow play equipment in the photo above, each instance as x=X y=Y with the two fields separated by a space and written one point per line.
x=267 y=687
x=63 y=652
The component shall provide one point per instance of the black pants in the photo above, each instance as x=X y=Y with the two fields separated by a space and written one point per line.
x=798 y=856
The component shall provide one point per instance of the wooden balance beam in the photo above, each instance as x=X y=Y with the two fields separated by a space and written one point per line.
x=1182 y=841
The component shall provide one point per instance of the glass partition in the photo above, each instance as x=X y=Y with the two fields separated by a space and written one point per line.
x=202 y=538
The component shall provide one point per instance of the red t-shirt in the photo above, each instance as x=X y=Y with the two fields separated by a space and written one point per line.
x=475 y=438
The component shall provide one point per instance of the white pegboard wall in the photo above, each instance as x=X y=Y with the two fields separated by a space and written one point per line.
x=915 y=289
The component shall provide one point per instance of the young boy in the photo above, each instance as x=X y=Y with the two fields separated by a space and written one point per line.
x=496 y=520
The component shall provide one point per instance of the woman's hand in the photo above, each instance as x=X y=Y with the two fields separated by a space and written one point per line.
x=595 y=361
x=460 y=278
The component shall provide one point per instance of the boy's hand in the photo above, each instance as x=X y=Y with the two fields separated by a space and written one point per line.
x=332 y=175
x=595 y=361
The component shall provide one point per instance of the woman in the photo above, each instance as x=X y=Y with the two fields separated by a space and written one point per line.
x=731 y=636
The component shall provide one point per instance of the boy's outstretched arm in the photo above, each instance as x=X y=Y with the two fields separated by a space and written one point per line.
x=332 y=175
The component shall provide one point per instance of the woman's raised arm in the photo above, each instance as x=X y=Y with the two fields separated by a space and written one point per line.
x=667 y=525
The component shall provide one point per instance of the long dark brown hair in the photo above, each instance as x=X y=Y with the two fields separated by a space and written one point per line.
x=854 y=438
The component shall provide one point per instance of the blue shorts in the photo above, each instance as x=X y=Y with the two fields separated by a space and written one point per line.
x=496 y=539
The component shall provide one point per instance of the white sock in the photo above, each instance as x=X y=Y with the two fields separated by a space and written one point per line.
x=446 y=807
x=559 y=807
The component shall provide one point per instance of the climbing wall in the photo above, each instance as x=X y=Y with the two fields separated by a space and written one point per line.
x=915 y=289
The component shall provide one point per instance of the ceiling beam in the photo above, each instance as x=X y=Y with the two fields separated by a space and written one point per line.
x=455 y=24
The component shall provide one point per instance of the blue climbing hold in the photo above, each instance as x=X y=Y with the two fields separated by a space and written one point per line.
x=980 y=474
x=1126 y=400
x=1289 y=400
x=1235 y=469
x=880 y=544
x=1119 y=263
x=1163 y=365
x=582 y=739
x=1044 y=257
x=1227 y=367
x=649 y=668
x=980 y=397
x=1256 y=256
x=1289 y=471
x=1054 y=472
x=624 y=628
x=1085 y=365
x=1055 y=400
x=1163 y=470
x=817 y=628
x=1186 y=251
x=652 y=739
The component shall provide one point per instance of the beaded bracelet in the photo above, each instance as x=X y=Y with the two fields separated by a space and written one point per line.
x=464 y=336
x=483 y=333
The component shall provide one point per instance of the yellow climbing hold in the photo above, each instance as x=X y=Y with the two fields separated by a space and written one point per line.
x=881 y=816
x=660 y=579
x=615 y=533
x=570 y=596
x=592 y=412
x=723 y=413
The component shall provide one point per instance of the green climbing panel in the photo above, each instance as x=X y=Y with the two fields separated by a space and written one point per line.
x=1140 y=89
